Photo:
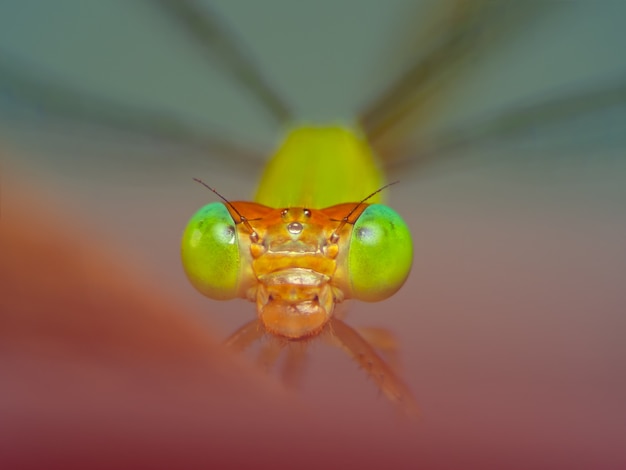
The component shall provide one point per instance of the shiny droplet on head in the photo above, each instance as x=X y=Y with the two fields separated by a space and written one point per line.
x=294 y=228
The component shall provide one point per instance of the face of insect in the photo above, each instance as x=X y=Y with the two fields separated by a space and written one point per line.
x=296 y=263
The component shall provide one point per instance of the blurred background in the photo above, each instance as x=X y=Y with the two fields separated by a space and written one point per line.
x=511 y=155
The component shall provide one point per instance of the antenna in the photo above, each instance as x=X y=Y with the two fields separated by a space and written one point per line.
x=334 y=237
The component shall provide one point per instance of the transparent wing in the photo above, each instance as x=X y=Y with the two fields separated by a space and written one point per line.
x=566 y=87
x=422 y=111
x=68 y=105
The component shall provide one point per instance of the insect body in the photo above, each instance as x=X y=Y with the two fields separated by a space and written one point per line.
x=296 y=260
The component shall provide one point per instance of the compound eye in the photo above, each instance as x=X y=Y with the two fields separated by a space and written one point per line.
x=210 y=252
x=381 y=254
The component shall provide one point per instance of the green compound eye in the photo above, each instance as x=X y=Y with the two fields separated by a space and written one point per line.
x=381 y=253
x=210 y=252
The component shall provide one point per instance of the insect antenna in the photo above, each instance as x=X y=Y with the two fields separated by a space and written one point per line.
x=334 y=236
x=253 y=234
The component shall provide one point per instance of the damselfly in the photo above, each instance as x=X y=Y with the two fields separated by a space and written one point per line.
x=464 y=30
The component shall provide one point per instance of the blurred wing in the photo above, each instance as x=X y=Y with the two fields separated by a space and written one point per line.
x=210 y=33
x=569 y=121
x=399 y=121
x=459 y=32
x=457 y=35
x=68 y=105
